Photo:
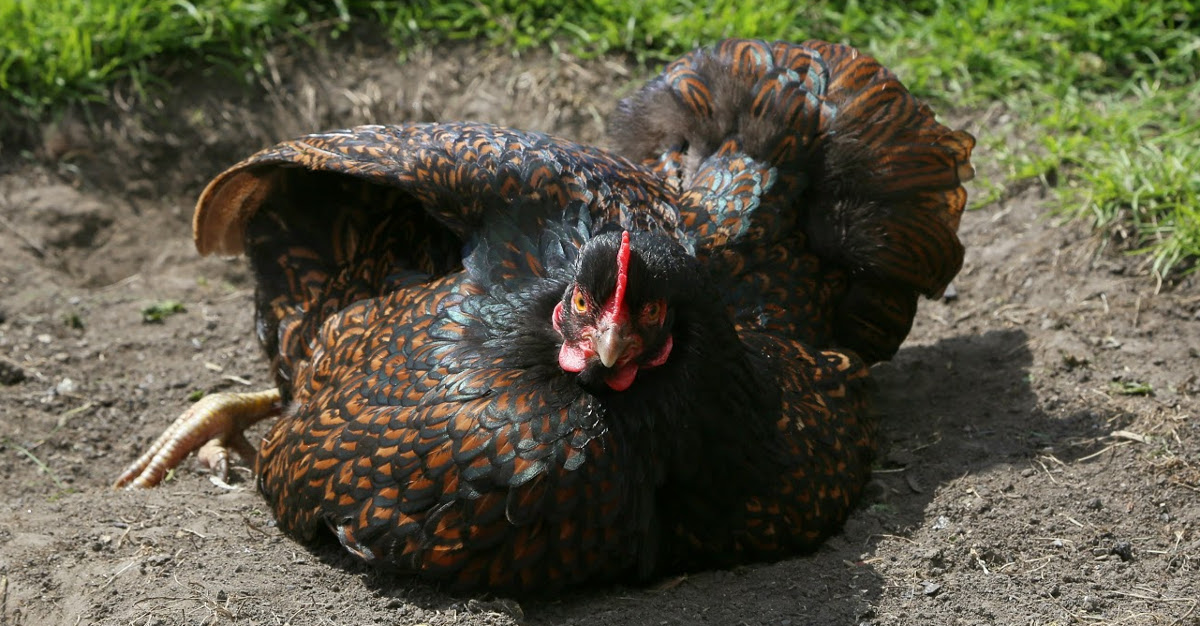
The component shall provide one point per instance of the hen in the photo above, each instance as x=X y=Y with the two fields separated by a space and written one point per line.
x=508 y=361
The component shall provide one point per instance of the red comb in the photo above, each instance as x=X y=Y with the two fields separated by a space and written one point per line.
x=616 y=303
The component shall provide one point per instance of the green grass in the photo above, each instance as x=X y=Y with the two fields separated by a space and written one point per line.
x=56 y=52
x=158 y=312
x=1103 y=94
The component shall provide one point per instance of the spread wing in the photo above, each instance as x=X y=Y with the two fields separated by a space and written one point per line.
x=331 y=218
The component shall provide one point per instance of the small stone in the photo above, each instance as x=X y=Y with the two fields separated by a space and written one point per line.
x=1095 y=505
x=1123 y=549
x=65 y=386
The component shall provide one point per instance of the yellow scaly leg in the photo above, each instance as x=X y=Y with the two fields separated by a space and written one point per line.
x=212 y=425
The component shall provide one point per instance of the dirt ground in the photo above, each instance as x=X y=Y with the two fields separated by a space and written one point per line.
x=1042 y=454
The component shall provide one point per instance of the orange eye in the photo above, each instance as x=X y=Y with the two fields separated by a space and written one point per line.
x=579 y=302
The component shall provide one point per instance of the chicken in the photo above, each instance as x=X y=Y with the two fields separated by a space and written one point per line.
x=510 y=362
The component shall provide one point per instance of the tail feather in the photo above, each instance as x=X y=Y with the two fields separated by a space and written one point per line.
x=762 y=139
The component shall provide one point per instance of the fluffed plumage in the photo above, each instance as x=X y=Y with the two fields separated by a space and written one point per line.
x=512 y=362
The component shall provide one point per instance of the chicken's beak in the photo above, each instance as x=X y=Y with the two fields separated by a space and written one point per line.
x=610 y=343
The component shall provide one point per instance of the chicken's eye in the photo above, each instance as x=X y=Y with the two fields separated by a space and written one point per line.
x=653 y=312
x=579 y=302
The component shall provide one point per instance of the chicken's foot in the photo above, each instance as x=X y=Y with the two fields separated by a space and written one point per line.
x=213 y=425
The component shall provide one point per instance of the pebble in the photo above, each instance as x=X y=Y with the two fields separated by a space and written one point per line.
x=158 y=559
x=1123 y=549
x=65 y=386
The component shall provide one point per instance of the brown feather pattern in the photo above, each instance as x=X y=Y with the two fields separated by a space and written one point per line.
x=406 y=277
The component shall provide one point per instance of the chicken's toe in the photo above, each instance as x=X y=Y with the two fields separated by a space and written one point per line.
x=212 y=425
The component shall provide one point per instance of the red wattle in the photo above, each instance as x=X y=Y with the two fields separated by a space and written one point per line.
x=572 y=358
x=622 y=378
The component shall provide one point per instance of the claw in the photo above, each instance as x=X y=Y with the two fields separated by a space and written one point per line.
x=212 y=426
x=214 y=454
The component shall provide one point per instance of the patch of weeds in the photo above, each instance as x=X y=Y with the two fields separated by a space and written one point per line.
x=882 y=509
x=159 y=311
x=73 y=320
x=1125 y=165
x=1131 y=388
x=56 y=53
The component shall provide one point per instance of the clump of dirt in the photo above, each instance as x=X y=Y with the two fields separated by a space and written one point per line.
x=1042 y=460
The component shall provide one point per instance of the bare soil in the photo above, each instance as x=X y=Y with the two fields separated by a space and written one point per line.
x=1042 y=455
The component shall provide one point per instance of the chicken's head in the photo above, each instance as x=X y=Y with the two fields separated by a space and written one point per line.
x=616 y=316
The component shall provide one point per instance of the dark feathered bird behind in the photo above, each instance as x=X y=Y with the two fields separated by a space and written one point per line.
x=508 y=361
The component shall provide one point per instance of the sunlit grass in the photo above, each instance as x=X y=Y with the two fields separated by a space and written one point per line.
x=54 y=52
x=1103 y=92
